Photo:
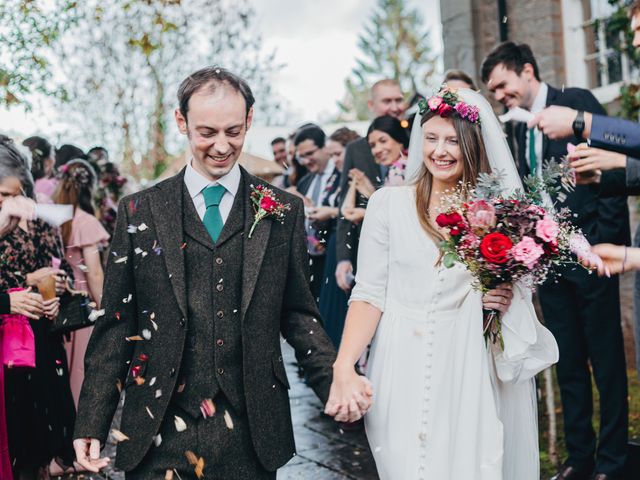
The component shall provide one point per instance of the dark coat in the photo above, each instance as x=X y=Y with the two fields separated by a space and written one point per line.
x=601 y=219
x=357 y=155
x=275 y=300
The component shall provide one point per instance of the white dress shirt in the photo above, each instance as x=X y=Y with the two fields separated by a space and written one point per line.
x=539 y=104
x=196 y=183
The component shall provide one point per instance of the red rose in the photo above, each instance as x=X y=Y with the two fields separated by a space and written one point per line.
x=455 y=231
x=268 y=204
x=449 y=220
x=494 y=247
x=444 y=110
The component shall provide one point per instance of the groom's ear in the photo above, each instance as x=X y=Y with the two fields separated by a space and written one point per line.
x=249 y=118
x=181 y=122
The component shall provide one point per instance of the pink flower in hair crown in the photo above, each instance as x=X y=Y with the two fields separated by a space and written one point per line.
x=446 y=103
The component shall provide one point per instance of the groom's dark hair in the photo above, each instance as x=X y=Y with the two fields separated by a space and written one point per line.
x=211 y=78
x=513 y=57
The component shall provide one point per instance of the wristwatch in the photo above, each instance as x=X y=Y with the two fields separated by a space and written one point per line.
x=578 y=124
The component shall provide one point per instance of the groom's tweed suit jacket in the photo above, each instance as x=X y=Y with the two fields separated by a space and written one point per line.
x=149 y=290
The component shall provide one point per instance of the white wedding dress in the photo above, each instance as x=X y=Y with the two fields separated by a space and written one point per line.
x=446 y=407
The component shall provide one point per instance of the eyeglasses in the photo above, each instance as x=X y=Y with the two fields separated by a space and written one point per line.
x=308 y=154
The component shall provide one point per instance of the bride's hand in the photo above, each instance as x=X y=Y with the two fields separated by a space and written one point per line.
x=499 y=298
x=350 y=396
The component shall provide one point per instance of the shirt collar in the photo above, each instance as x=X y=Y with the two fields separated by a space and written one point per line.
x=541 y=99
x=196 y=182
x=329 y=168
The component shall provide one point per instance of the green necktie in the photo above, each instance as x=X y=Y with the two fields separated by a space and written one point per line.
x=212 y=219
x=533 y=164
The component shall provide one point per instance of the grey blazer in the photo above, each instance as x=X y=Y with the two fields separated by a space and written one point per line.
x=145 y=288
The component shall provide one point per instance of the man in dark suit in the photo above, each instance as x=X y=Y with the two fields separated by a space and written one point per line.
x=582 y=311
x=310 y=142
x=194 y=307
x=386 y=99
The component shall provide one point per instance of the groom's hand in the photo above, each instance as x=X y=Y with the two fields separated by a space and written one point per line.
x=88 y=454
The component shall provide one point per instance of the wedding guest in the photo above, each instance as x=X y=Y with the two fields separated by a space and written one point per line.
x=388 y=141
x=458 y=79
x=279 y=148
x=40 y=410
x=68 y=152
x=321 y=181
x=108 y=194
x=386 y=99
x=582 y=310
x=43 y=160
x=296 y=170
x=333 y=300
x=98 y=157
x=616 y=259
x=83 y=238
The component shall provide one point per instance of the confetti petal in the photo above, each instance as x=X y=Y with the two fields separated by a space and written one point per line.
x=118 y=436
x=179 y=423
x=157 y=440
x=208 y=408
x=121 y=260
x=135 y=338
x=142 y=227
x=228 y=420
x=95 y=314
x=146 y=334
x=149 y=412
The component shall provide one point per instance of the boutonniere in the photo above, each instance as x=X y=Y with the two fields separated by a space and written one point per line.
x=265 y=205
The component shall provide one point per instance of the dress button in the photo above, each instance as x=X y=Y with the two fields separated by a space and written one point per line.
x=220 y=342
x=220 y=314
x=219 y=261
x=221 y=371
x=172 y=372
x=220 y=287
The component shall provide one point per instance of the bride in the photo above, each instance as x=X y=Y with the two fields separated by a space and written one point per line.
x=446 y=405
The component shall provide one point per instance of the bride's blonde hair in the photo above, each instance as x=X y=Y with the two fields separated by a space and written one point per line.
x=475 y=161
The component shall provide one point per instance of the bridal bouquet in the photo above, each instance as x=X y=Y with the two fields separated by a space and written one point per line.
x=505 y=238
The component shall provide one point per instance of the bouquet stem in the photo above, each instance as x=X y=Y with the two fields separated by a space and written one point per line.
x=493 y=327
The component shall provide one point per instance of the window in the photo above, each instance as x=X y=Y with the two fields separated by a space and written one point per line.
x=606 y=65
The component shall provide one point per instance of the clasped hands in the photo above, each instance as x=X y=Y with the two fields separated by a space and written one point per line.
x=351 y=395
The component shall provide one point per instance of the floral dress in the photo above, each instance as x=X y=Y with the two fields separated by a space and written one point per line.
x=40 y=410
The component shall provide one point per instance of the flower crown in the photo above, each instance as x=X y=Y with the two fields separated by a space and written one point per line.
x=446 y=102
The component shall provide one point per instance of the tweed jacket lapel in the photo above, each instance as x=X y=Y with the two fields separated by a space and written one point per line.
x=166 y=209
x=254 y=247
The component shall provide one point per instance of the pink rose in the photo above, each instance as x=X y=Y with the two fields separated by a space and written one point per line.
x=434 y=102
x=547 y=229
x=537 y=210
x=481 y=214
x=527 y=251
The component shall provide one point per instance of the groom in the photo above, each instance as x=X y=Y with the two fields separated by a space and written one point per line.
x=194 y=310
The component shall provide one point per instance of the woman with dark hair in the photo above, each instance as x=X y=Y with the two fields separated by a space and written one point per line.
x=43 y=157
x=83 y=238
x=388 y=141
x=40 y=411
x=440 y=391
x=333 y=300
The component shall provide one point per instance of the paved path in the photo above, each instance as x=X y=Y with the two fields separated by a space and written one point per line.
x=324 y=451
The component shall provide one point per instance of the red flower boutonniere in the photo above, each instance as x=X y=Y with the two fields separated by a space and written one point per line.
x=265 y=204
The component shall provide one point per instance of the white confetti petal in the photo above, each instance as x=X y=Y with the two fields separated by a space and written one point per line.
x=228 y=420
x=158 y=393
x=132 y=229
x=146 y=334
x=138 y=251
x=142 y=227
x=82 y=268
x=155 y=325
x=149 y=412
x=121 y=260
x=157 y=440
x=179 y=423
x=95 y=314
x=152 y=382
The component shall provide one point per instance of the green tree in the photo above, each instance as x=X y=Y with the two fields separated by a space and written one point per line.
x=395 y=44
x=29 y=32
x=123 y=62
